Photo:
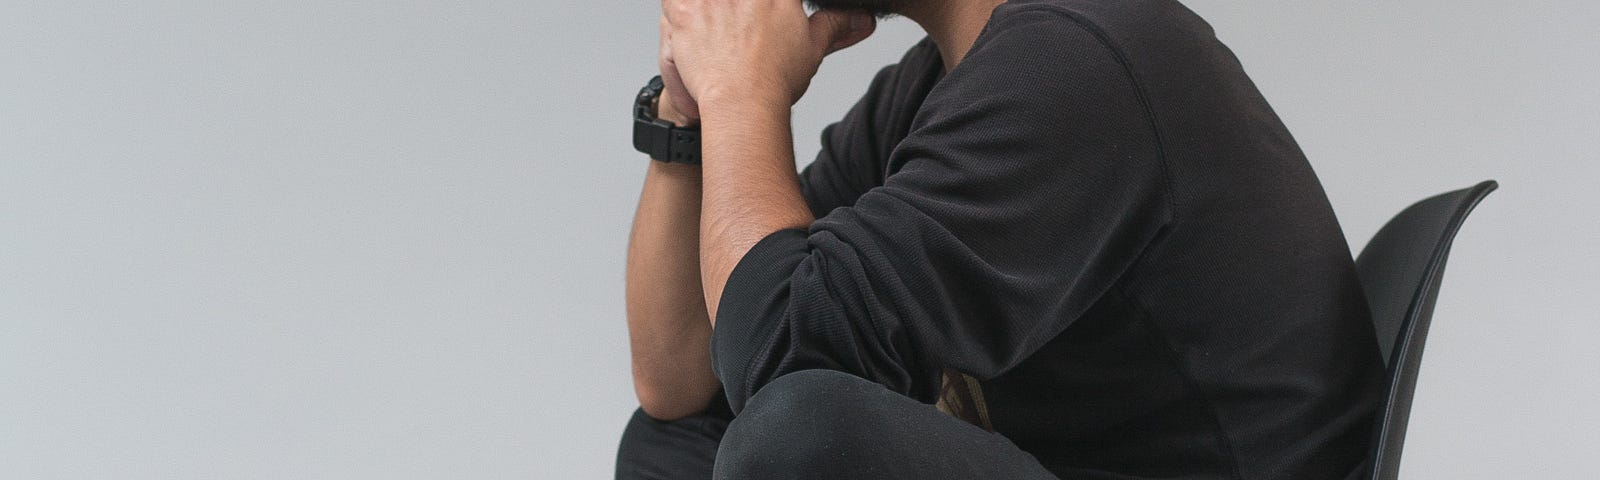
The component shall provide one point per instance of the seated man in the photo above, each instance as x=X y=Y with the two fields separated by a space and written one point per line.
x=1059 y=239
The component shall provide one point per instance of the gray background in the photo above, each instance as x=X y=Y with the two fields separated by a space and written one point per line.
x=305 y=239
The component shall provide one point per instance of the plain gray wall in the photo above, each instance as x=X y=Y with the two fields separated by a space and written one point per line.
x=385 y=239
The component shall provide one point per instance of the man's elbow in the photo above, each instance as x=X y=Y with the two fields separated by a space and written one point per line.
x=667 y=405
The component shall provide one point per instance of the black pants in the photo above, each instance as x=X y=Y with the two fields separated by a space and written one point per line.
x=820 y=424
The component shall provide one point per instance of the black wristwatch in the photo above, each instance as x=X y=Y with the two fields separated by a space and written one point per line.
x=659 y=138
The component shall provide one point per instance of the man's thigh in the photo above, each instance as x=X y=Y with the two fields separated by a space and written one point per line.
x=826 y=424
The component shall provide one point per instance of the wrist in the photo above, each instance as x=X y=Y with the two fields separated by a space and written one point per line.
x=755 y=132
x=746 y=113
x=664 y=110
x=754 y=97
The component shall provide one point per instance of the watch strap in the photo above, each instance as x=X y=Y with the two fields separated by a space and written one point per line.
x=659 y=138
x=666 y=142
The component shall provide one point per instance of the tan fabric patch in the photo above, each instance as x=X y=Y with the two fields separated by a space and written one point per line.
x=961 y=396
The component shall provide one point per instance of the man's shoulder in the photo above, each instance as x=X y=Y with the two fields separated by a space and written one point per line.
x=1035 y=28
x=1110 y=17
x=1131 y=28
x=922 y=55
x=1044 y=55
x=897 y=91
x=919 y=66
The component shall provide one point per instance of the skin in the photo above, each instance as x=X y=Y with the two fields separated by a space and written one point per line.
x=735 y=67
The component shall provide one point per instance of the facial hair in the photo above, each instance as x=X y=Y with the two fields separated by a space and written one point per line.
x=878 y=8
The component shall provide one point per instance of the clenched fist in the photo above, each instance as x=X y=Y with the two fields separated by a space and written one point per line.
x=748 y=50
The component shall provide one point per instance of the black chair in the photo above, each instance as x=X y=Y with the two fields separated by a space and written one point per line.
x=1400 y=271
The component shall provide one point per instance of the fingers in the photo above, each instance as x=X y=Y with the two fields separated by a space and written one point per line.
x=839 y=29
x=681 y=12
x=669 y=10
x=665 y=51
x=677 y=95
x=732 y=44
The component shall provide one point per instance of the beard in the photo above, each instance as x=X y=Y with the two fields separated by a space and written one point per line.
x=878 y=8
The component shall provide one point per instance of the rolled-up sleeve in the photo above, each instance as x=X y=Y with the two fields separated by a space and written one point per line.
x=1032 y=178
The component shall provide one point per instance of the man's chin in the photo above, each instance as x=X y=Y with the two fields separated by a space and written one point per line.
x=878 y=8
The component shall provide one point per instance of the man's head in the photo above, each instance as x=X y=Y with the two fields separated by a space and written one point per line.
x=878 y=8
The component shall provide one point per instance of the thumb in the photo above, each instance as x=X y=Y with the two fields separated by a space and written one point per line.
x=836 y=30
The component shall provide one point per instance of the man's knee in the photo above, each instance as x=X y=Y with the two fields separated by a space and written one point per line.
x=812 y=420
x=810 y=390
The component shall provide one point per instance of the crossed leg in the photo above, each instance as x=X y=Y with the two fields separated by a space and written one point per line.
x=821 y=424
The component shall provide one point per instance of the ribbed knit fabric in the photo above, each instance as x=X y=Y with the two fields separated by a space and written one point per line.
x=1097 y=216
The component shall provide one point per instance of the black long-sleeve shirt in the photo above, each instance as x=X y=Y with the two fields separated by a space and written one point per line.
x=1098 y=217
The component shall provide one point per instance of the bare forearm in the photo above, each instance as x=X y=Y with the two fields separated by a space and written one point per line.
x=745 y=63
x=750 y=185
x=668 y=327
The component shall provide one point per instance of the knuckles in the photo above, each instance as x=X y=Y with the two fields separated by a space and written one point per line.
x=715 y=38
x=679 y=11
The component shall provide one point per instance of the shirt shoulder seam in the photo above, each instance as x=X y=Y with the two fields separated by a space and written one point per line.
x=1146 y=110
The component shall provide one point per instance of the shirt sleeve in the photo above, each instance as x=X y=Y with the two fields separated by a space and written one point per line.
x=1030 y=181
x=849 y=162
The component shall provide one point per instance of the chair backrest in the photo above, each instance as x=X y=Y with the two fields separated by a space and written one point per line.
x=1400 y=269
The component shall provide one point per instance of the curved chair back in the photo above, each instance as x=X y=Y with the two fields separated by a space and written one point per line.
x=1400 y=270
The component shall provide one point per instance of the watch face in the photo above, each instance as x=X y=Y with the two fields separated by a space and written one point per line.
x=645 y=95
x=644 y=103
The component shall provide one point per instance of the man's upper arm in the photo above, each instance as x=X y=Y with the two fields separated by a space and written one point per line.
x=1029 y=183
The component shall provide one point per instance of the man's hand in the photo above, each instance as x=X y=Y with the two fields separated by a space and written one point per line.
x=742 y=64
x=674 y=104
x=756 y=50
